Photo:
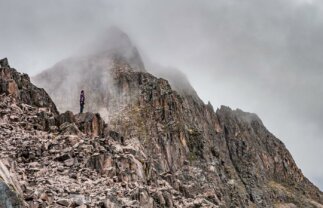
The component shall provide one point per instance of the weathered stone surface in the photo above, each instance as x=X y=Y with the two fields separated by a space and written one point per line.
x=68 y=117
x=10 y=190
x=4 y=63
x=158 y=149
x=69 y=129
x=91 y=124
x=63 y=202
x=19 y=85
x=12 y=88
x=8 y=198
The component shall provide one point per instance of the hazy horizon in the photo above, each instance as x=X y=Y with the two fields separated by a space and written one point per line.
x=259 y=56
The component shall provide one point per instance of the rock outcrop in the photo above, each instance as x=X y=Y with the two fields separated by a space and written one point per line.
x=10 y=190
x=18 y=85
x=152 y=147
x=237 y=159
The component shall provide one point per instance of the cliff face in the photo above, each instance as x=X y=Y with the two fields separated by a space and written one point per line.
x=227 y=157
x=19 y=86
x=149 y=147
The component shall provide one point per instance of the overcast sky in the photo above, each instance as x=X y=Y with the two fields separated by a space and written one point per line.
x=258 y=55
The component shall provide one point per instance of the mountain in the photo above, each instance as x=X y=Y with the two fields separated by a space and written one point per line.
x=154 y=143
x=91 y=73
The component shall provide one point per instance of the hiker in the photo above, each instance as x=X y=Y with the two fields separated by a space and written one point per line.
x=82 y=99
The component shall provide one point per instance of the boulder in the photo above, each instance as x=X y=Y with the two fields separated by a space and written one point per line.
x=90 y=124
x=9 y=87
x=10 y=190
x=4 y=63
x=12 y=88
x=69 y=129
x=110 y=203
x=63 y=202
x=68 y=116
x=8 y=197
x=145 y=200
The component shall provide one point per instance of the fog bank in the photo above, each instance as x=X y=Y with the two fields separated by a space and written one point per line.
x=261 y=56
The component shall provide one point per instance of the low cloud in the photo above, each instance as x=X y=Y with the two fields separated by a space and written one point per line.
x=261 y=56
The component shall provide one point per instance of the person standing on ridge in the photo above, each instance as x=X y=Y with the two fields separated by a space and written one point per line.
x=82 y=101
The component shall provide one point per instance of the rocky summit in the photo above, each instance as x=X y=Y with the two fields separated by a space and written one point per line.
x=151 y=145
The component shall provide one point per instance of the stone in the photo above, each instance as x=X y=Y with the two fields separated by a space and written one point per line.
x=63 y=202
x=4 y=63
x=108 y=203
x=160 y=198
x=168 y=199
x=90 y=124
x=69 y=162
x=44 y=197
x=78 y=199
x=8 y=198
x=53 y=129
x=12 y=88
x=68 y=117
x=69 y=129
x=145 y=200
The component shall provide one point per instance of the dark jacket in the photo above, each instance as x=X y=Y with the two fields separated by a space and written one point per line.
x=82 y=99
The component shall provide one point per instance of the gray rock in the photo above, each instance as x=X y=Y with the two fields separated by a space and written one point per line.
x=4 y=63
x=19 y=84
x=8 y=198
x=69 y=162
x=90 y=124
x=63 y=202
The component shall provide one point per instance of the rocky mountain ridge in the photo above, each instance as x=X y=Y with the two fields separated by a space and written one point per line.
x=157 y=149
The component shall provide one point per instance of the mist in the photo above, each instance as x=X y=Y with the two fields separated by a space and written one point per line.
x=257 y=55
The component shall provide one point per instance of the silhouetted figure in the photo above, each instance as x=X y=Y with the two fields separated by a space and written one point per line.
x=82 y=101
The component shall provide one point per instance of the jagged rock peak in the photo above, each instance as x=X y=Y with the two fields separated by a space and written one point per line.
x=177 y=79
x=19 y=86
x=4 y=63
x=239 y=114
x=116 y=43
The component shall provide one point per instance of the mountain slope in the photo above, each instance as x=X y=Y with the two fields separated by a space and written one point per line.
x=154 y=147
x=232 y=152
x=67 y=160
x=227 y=158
